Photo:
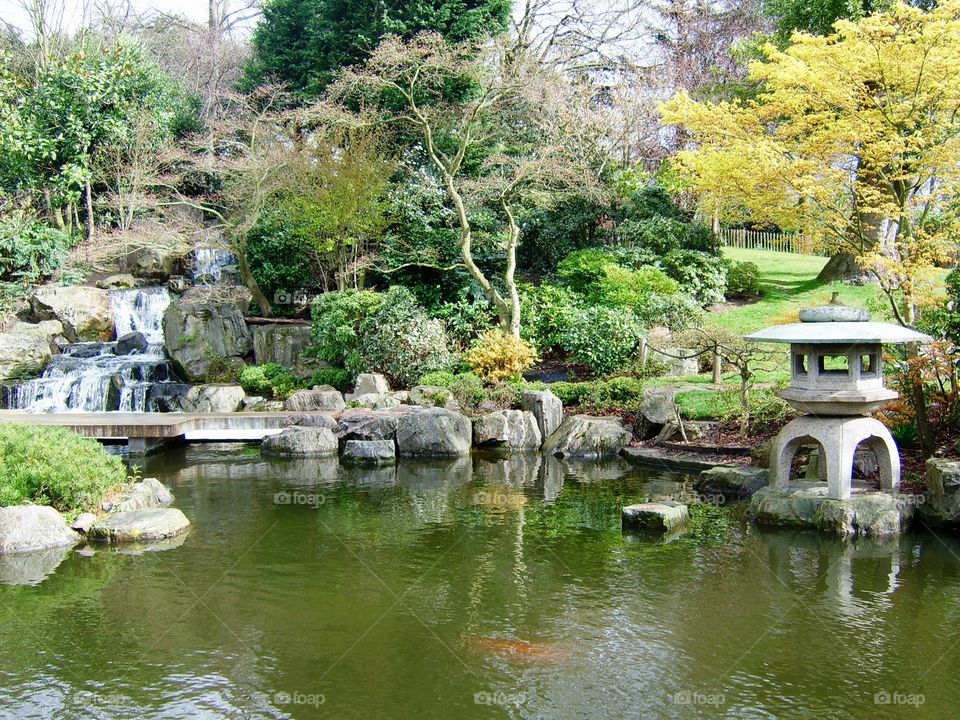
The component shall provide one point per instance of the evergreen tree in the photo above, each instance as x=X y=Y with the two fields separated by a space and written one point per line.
x=303 y=43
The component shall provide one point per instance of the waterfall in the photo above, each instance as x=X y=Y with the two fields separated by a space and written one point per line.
x=209 y=265
x=91 y=377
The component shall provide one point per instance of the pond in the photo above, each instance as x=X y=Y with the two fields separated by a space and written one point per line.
x=477 y=588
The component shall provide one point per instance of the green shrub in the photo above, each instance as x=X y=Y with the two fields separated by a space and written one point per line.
x=618 y=392
x=603 y=339
x=223 y=370
x=438 y=378
x=743 y=280
x=582 y=270
x=29 y=250
x=53 y=466
x=340 y=378
x=662 y=235
x=337 y=319
x=401 y=341
x=270 y=380
x=545 y=315
x=702 y=275
x=468 y=390
x=466 y=319
x=676 y=312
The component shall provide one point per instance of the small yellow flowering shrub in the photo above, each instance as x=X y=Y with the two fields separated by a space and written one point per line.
x=498 y=356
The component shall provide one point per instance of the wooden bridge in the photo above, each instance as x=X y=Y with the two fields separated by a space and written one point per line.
x=144 y=432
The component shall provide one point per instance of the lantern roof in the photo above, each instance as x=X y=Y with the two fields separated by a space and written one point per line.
x=837 y=324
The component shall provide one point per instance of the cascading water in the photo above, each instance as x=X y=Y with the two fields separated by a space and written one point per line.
x=210 y=265
x=92 y=377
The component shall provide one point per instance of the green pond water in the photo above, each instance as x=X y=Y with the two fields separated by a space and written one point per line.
x=472 y=589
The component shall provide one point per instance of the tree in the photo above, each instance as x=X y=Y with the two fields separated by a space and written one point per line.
x=333 y=199
x=304 y=43
x=819 y=17
x=529 y=134
x=854 y=138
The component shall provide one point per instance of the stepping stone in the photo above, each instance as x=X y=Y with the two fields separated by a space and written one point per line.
x=658 y=517
x=369 y=452
x=142 y=525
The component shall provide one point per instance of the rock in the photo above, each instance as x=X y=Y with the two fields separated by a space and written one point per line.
x=213 y=399
x=148 y=493
x=368 y=425
x=123 y=281
x=167 y=397
x=197 y=332
x=83 y=311
x=144 y=525
x=301 y=442
x=507 y=428
x=760 y=454
x=695 y=431
x=655 y=517
x=546 y=408
x=833 y=313
x=317 y=420
x=429 y=396
x=374 y=383
x=305 y=366
x=875 y=514
x=433 y=432
x=943 y=477
x=27 y=528
x=280 y=344
x=369 y=452
x=321 y=398
x=657 y=408
x=941 y=502
x=178 y=284
x=256 y=403
x=26 y=348
x=84 y=522
x=131 y=343
x=685 y=362
x=865 y=463
x=586 y=436
x=153 y=263
x=731 y=482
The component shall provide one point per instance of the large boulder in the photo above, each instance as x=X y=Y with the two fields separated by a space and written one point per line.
x=27 y=528
x=429 y=396
x=167 y=397
x=433 y=432
x=319 y=420
x=213 y=399
x=657 y=408
x=546 y=408
x=153 y=263
x=941 y=502
x=148 y=493
x=26 y=348
x=874 y=514
x=371 y=383
x=144 y=525
x=321 y=398
x=197 y=332
x=83 y=311
x=123 y=281
x=507 y=429
x=280 y=344
x=369 y=452
x=586 y=436
x=731 y=482
x=359 y=424
x=301 y=442
x=131 y=344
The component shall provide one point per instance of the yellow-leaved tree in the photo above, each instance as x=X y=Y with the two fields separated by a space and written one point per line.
x=853 y=138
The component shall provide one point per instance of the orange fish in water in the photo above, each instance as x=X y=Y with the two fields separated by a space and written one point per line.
x=519 y=648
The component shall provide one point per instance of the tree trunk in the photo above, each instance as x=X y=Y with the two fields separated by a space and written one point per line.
x=266 y=309
x=88 y=201
x=717 y=369
x=744 y=405
x=919 y=402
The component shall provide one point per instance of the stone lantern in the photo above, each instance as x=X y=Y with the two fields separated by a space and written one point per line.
x=836 y=381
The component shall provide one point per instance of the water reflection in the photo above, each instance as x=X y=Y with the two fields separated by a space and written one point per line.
x=32 y=567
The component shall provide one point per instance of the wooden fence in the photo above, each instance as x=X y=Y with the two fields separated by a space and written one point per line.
x=761 y=240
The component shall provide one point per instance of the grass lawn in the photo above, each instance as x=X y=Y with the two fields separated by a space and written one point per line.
x=789 y=284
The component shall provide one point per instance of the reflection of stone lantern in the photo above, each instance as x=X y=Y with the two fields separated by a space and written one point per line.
x=836 y=379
